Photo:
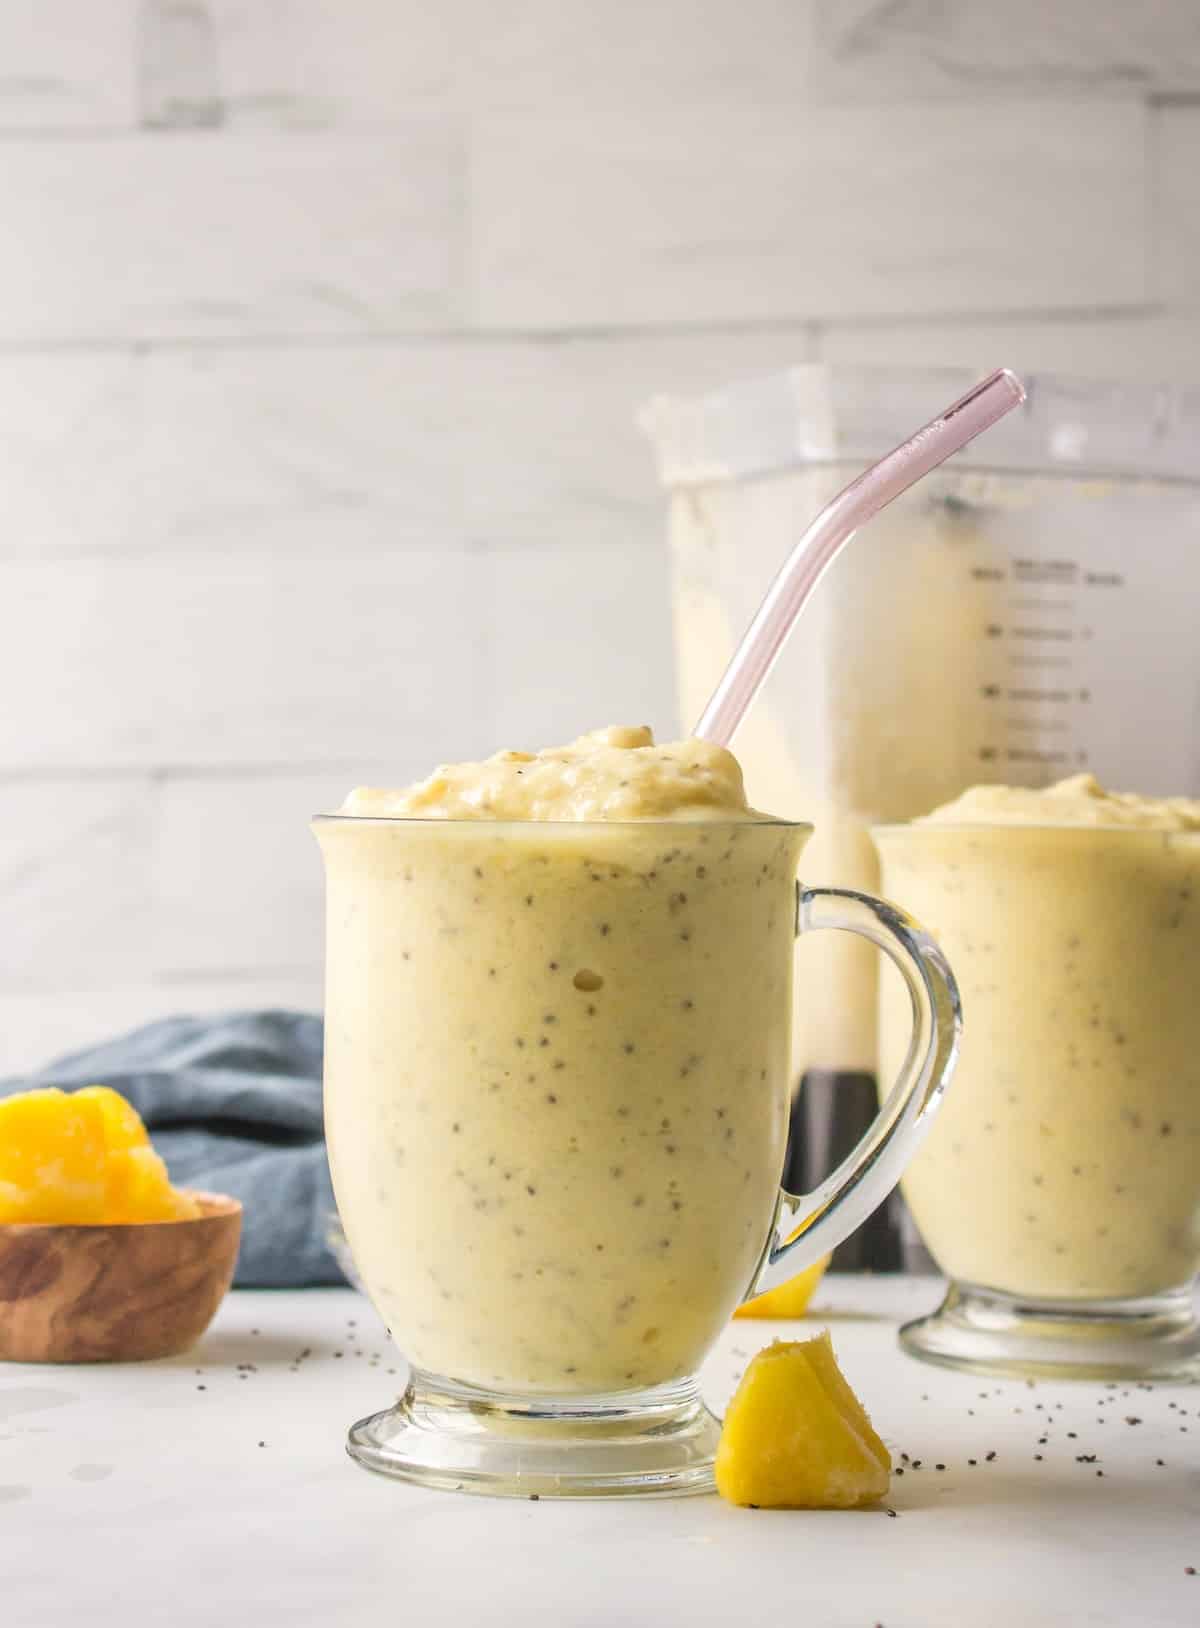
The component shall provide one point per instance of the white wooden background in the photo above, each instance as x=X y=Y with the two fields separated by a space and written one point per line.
x=322 y=326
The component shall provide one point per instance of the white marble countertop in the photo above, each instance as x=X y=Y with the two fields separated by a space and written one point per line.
x=212 y=1489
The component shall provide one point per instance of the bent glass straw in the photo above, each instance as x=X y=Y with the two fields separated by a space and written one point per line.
x=874 y=489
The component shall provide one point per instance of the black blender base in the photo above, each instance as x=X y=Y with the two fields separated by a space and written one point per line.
x=830 y=1112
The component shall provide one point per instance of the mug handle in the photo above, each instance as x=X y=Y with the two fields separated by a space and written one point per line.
x=810 y=1225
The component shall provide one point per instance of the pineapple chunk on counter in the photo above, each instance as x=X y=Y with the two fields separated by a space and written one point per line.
x=796 y=1437
x=790 y=1299
x=82 y=1158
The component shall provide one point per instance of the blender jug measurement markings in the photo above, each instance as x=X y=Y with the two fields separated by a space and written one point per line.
x=1039 y=632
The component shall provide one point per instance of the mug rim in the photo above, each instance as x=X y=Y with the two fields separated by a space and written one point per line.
x=1008 y=827
x=482 y=825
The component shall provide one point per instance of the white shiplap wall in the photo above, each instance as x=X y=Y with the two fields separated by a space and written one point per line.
x=322 y=326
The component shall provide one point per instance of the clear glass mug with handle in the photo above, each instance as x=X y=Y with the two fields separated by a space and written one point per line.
x=557 y=1086
x=1060 y=1192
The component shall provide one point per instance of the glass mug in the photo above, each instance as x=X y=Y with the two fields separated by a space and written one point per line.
x=557 y=1070
x=1060 y=1191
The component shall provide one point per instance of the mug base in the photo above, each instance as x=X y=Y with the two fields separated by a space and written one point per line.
x=650 y=1444
x=984 y=1331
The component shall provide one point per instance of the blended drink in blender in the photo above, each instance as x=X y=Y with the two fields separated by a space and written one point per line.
x=1065 y=1168
x=565 y=1182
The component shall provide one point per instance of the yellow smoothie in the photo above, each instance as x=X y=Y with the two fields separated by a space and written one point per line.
x=557 y=1057
x=1065 y=1164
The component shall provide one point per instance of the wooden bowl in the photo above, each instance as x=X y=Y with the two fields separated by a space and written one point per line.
x=115 y=1293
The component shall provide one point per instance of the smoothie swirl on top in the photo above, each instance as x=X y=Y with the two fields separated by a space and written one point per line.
x=611 y=774
x=1081 y=800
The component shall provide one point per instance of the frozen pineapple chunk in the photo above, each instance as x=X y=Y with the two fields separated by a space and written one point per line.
x=790 y=1299
x=796 y=1437
x=82 y=1158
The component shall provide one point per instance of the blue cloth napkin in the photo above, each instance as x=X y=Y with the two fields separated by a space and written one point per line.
x=233 y=1104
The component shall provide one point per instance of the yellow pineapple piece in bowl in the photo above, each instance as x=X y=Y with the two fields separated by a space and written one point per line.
x=88 y=1270
x=790 y=1299
x=82 y=1158
x=795 y=1435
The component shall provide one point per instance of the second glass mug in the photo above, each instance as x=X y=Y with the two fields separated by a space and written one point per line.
x=557 y=1079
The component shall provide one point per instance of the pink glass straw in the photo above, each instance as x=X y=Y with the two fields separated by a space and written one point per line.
x=837 y=522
